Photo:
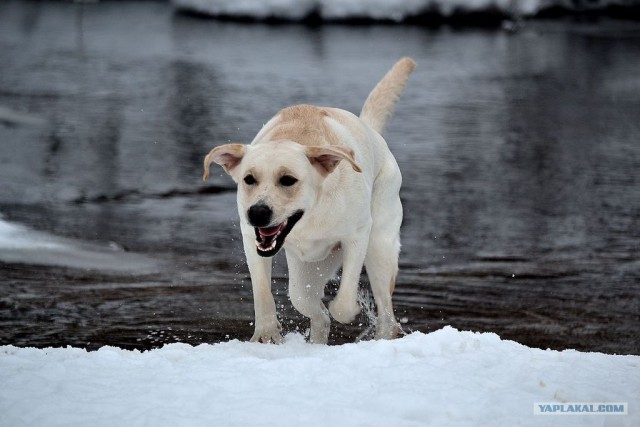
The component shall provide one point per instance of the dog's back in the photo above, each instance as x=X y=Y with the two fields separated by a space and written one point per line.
x=307 y=124
x=303 y=123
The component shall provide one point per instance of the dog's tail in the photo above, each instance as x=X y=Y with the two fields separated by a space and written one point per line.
x=379 y=106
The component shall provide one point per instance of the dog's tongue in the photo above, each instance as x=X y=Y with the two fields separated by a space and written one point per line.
x=269 y=231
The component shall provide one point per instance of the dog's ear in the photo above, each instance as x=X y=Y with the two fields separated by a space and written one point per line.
x=326 y=158
x=228 y=156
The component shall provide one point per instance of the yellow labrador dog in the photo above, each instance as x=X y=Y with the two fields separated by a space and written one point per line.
x=322 y=184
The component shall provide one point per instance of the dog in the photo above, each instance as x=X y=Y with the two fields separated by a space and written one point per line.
x=321 y=183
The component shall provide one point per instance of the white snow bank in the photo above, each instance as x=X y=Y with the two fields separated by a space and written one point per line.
x=446 y=378
x=15 y=236
x=21 y=244
x=395 y=10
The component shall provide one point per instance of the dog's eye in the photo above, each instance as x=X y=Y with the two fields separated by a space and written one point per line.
x=287 y=180
x=249 y=180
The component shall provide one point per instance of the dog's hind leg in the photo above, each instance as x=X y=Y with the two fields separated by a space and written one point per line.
x=382 y=268
x=307 y=281
x=344 y=307
x=381 y=261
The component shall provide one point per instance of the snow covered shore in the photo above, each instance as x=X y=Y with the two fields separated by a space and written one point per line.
x=385 y=10
x=22 y=244
x=446 y=378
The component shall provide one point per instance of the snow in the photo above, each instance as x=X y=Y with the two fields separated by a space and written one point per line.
x=445 y=378
x=22 y=244
x=394 y=10
x=15 y=236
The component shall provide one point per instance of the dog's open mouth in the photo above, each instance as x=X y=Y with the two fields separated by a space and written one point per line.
x=269 y=240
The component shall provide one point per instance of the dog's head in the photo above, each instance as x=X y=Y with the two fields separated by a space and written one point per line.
x=278 y=181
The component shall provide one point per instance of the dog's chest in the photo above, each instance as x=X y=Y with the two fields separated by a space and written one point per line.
x=311 y=250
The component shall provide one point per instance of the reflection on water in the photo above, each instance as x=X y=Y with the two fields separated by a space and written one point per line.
x=519 y=155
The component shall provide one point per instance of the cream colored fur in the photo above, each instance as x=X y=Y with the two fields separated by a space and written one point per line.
x=336 y=168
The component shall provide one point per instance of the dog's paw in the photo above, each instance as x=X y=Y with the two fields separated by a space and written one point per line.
x=387 y=329
x=319 y=331
x=273 y=337
x=344 y=311
x=268 y=333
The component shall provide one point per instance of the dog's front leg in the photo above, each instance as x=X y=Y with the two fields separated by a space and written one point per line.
x=306 y=289
x=344 y=307
x=267 y=327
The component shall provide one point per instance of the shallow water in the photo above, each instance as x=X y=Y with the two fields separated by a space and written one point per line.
x=520 y=155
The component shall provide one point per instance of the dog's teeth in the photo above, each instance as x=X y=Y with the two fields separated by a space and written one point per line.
x=271 y=246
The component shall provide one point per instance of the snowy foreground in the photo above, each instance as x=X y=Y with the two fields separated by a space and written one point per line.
x=393 y=10
x=446 y=378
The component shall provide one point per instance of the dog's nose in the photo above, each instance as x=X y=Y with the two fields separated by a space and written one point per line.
x=259 y=215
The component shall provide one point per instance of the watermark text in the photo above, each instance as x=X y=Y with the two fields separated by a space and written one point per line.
x=581 y=408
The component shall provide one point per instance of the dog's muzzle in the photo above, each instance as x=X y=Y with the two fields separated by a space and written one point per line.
x=270 y=238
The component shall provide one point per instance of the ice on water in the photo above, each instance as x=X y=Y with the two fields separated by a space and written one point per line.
x=25 y=245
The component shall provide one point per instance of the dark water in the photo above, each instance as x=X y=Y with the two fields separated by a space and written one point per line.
x=520 y=155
